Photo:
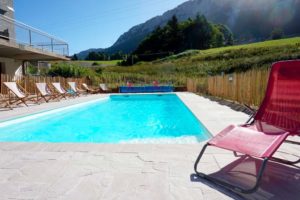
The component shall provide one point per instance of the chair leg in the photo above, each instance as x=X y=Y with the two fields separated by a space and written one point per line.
x=55 y=97
x=7 y=105
x=46 y=100
x=284 y=161
x=228 y=185
x=24 y=102
x=33 y=99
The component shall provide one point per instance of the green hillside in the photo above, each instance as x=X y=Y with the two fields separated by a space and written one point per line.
x=86 y=63
x=178 y=68
x=195 y=63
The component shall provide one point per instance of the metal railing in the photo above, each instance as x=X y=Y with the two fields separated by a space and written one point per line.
x=20 y=33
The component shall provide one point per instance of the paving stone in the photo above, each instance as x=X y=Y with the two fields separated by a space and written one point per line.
x=186 y=193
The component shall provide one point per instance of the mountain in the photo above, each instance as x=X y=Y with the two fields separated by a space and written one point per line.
x=249 y=20
x=84 y=54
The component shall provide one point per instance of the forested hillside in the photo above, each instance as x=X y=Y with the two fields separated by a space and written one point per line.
x=249 y=20
x=177 y=37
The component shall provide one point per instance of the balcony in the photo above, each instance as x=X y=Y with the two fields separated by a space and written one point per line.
x=20 y=41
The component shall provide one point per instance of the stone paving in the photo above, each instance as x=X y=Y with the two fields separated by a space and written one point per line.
x=139 y=171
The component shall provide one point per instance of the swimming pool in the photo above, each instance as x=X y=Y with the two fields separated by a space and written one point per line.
x=116 y=119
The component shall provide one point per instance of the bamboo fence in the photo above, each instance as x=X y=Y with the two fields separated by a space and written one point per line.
x=246 y=88
x=112 y=80
x=116 y=80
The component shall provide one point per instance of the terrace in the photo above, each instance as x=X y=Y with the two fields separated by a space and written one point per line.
x=22 y=42
x=135 y=167
x=158 y=170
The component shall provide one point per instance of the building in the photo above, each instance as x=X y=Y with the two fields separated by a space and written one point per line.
x=21 y=43
x=6 y=9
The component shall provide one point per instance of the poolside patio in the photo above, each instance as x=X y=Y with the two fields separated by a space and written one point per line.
x=136 y=171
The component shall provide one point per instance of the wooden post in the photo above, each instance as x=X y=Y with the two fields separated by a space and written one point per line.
x=24 y=67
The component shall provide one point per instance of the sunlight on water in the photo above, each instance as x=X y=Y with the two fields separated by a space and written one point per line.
x=118 y=119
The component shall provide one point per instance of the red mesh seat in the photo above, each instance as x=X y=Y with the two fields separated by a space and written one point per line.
x=249 y=140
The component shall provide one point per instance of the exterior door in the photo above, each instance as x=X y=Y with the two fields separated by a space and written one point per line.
x=1 y=68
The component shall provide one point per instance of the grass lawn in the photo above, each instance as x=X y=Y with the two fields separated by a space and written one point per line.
x=96 y=63
x=270 y=44
x=239 y=58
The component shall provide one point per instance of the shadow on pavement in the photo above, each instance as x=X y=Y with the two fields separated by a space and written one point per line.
x=278 y=182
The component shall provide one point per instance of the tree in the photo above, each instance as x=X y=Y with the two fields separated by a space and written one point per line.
x=151 y=47
x=176 y=37
x=31 y=69
x=74 y=57
x=92 y=56
x=117 y=56
x=67 y=70
x=104 y=56
x=217 y=38
x=198 y=34
x=227 y=33
x=173 y=35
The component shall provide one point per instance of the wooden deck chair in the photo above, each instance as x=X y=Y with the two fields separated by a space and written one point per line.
x=104 y=88
x=21 y=95
x=277 y=118
x=75 y=89
x=89 y=90
x=44 y=92
x=60 y=90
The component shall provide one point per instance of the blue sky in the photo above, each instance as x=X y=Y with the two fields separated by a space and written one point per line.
x=89 y=23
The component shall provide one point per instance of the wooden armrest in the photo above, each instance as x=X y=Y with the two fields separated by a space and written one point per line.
x=23 y=89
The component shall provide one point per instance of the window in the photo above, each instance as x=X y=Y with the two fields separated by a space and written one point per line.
x=2 y=12
x=3 y=9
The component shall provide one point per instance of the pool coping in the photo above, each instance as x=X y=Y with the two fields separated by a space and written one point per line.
x=207 y=132
x=53 y=106
x=45 y=112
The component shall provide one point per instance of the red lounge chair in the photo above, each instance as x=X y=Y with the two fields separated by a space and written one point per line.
x=277 y=118
x=155 y=83
x=129 y=84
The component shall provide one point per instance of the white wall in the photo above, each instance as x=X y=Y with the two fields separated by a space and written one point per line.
x=4 y=4
x=10 y=65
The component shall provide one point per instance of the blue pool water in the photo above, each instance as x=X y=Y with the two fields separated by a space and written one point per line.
x=116 y=119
